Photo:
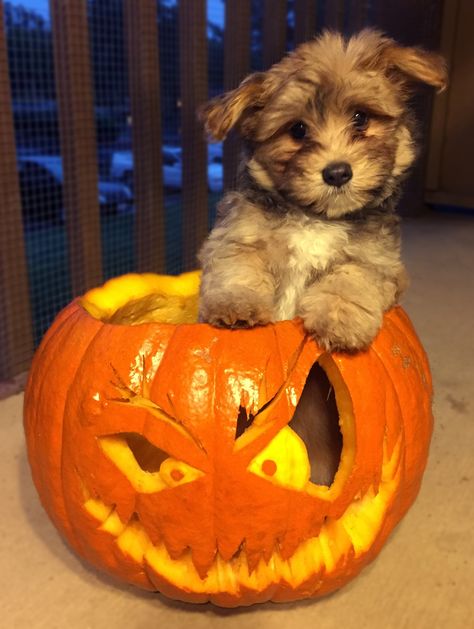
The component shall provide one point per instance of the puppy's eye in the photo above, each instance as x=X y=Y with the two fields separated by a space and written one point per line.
x=298 y=130
x=360 y=120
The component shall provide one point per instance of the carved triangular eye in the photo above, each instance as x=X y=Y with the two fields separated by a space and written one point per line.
x=244 y=421
x=284 y=461
x=148 y=468
x=261 y=428
x=309 y=447
x=316 y=421
x=147 y=455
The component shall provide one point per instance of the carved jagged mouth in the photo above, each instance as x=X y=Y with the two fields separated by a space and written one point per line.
x=281 y=457
x=350 y=535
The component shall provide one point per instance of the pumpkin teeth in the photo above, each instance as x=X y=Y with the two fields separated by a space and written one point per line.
x=133 y=540
x=98 y=509
x=339 y=539
x=113 y=524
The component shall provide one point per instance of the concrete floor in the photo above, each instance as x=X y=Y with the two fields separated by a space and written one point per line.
x=423 y=577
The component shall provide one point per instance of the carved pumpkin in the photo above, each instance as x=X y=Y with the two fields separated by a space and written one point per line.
x=134 y=445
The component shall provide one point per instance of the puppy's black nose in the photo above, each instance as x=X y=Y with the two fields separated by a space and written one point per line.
x=337 y=174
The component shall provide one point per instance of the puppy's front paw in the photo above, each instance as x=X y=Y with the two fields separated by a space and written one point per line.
x=242 y=308
x=339 y=324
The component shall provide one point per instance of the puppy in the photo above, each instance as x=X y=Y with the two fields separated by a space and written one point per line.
x=311 y=229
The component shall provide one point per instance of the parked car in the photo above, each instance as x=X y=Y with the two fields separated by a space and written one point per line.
x=172 y=169
x=215 y=172
x=41 y=185
x=214 y=151
x=122 y=168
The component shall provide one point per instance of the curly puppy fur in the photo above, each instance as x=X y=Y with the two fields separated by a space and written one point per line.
x=291 y=241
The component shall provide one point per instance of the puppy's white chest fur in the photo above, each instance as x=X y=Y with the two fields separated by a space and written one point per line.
x=301 y=249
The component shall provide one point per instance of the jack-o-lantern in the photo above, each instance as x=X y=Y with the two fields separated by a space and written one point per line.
x=165 y=450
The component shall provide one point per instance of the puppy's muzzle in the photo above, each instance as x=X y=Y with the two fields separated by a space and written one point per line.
x=337 y=174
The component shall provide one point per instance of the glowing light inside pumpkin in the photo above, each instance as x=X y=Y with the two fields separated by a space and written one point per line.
x=353 y=532
x=133 y=299
x=355 y=510
x=171 y=472
x=285 y=462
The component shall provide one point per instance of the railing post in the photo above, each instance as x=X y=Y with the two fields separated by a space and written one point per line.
x=357 y=15
x=274 y=31
x=78 y=141
x=194 y=92
x=236 y=67
x=334 y=15
x=305 y=20
x=423 y=29
x=141 y=31
x=16 y=335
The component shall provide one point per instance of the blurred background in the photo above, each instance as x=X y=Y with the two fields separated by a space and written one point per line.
x=104 y=168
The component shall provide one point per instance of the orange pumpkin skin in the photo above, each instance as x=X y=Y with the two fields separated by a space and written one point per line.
x=218 y=527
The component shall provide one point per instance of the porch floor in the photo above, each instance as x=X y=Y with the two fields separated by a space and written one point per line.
x=423 y=577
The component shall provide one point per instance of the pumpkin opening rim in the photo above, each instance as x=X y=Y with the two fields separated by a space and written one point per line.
x=144 y=298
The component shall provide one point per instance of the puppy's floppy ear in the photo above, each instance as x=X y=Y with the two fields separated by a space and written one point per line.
x=418 y=64
x=221 y=114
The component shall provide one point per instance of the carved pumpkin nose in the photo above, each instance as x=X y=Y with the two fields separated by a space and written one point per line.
x=337 y=174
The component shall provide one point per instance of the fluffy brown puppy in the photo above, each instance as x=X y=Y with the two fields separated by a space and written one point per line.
x=311 y=230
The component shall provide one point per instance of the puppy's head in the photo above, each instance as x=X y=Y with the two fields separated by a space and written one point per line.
x=327 y=127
